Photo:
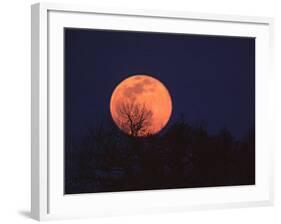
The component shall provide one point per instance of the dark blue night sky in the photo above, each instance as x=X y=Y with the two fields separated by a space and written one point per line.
x=211 y=78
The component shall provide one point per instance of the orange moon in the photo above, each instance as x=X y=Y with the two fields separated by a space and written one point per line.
x=141 y=105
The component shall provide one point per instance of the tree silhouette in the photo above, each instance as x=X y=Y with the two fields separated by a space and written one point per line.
x=183 y=156
x=135 y=119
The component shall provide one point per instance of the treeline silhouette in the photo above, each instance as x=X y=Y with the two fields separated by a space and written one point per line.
x=182 y=156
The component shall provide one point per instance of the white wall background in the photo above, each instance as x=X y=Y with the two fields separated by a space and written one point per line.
x=15 y=110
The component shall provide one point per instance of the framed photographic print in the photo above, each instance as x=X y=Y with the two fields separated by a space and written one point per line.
x=148 y=111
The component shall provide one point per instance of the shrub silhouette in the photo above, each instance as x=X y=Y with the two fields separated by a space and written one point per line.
x=179 y=157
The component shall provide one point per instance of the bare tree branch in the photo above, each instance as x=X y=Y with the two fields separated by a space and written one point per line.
x=134 y=119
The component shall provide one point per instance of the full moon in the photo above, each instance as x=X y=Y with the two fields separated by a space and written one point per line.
x=141 y=105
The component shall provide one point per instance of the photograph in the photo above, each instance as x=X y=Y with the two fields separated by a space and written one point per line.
x=153 y=110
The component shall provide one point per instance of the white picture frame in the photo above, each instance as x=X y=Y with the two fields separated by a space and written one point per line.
x=47 y=198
